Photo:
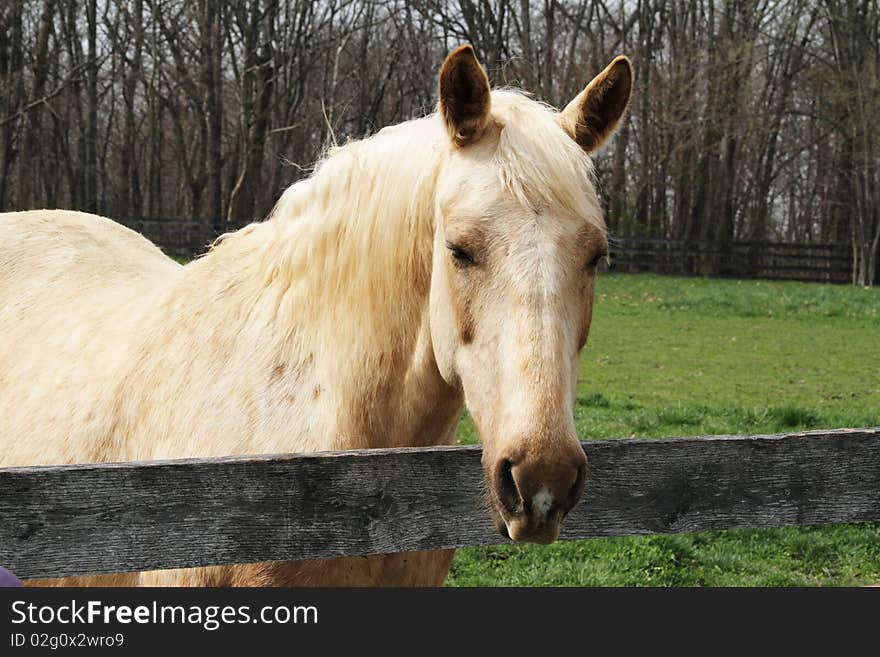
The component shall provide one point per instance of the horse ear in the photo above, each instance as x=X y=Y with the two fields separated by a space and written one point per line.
x=464 y=96
x=595 y=112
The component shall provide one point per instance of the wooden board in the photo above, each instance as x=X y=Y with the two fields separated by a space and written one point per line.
x=85 y=519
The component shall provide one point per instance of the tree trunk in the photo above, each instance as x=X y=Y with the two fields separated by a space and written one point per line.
x=91 y=139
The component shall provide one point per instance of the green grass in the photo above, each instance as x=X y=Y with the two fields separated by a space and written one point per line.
x=689 y=356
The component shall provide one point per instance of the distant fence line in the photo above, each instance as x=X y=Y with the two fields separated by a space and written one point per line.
x=828 y=263
x=181 y=238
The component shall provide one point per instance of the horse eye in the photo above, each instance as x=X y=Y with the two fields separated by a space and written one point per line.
x=602 y=253
x=462 y=256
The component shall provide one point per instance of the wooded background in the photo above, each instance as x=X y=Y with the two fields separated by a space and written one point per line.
x=751 y=121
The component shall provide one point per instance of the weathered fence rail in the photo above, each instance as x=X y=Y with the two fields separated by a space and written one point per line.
x=116 y=517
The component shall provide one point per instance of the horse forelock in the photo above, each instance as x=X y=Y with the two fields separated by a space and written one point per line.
x=538 y=162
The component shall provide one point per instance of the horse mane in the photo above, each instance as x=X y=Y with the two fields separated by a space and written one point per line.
x=355 y=238
x=539 y=163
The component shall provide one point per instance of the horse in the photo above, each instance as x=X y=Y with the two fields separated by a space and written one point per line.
x=446 y=261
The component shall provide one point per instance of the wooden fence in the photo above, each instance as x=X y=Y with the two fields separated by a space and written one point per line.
x=182 y=238
x=117 y=517
x=828 y=263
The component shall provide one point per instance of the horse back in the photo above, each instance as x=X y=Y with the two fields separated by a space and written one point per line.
x=74 y=289
x=51 y=242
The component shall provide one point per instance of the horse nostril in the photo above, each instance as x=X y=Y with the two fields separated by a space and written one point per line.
x=577 y=489
x=508 y=493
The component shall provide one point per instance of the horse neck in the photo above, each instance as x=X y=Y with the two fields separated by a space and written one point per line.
x=335 y=284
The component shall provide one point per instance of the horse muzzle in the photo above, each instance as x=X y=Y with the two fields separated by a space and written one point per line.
x=531 y=494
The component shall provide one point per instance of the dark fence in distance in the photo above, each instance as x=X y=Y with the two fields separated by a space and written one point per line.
x=117 y=517
x=179 y=238
x=827 y=263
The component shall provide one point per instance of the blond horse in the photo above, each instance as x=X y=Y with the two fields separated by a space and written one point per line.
x=443 y=261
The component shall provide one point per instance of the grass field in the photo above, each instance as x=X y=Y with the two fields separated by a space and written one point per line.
x=688 y=356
